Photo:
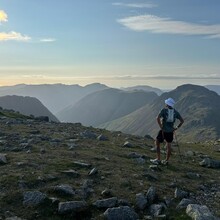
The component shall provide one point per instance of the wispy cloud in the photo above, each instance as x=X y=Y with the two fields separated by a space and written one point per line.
x=169 y=77
x=157 y=24
x=48 y=40
x=135 y=5
x=3 y=16
x=13 y=36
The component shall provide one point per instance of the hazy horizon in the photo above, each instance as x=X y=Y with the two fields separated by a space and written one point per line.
x=124 y=43
x=109 y=85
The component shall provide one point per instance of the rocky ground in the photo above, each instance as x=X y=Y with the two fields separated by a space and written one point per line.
x=67 y=171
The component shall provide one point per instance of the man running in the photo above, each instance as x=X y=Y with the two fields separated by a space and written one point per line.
x=166 y=119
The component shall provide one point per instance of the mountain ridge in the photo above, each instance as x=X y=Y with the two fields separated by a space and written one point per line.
x=105 y=105
x=26 y=105
x=197 y=105
x=54 y=96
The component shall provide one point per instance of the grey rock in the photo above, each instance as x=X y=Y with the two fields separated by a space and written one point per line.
x=88 y=134
x=71 y=173
x=180 y=194
x=86 y=189
x=210 y=163
x=199 y=212
x=193 y=175
x=3 y=159
x=102 y=138
x=64 y=189
x=127 y=144
x=156 y=209
x=72 y=146
x=140 y=160
x=154 y=168
x=93 y=172
x=81 y=164
x=106 y=203
x=72 y=207
x=121 y=213
x=33 y=198
x=141 y=201
x=184 y=203
x=123 y=202
x=107 y=193
x=151 y=195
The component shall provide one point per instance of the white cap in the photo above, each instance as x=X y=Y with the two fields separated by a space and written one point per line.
x=170 y=102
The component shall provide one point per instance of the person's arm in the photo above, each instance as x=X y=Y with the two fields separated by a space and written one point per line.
x=181 y=122
x=159 y=121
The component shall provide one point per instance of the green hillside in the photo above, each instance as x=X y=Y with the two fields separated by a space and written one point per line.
x=47 y=169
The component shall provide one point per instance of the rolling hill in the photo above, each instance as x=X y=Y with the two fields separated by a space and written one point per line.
x=55 y=96
x=144 y=88
x=26 y=105
x=105 y=105
x=198 y=106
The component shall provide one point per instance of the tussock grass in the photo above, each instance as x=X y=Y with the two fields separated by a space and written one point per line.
x=124 y=176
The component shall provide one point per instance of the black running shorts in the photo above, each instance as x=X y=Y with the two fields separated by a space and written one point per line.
x=167 y=136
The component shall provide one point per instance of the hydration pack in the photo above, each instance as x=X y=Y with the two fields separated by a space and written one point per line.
x=170 y=115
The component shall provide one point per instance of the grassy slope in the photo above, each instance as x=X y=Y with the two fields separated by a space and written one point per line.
x=117 y=172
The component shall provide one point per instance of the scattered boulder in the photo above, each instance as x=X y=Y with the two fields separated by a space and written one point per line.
x=184 y=203
x=72 y=207
x=88 y=134
x=3 y=159
x=199 y=212
x=64 y=189
x=71 y=173
x=154 y=168
x=121 y=213
x=192 y=175
x=107 y=193
x=151 y=195
x=156 y=209
x=81 y=164
x=127 y=144
x=106 y=203
x=180 y=194
x=210 y=163
x=33 y=198
x=102 y=138
x=141 y=201
x=140 y=160
x=93 y=172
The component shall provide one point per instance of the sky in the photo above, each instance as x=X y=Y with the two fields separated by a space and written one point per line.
x=160 y=43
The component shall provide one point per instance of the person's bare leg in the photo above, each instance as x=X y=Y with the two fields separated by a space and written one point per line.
x=157 y=143
x=168 y=151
